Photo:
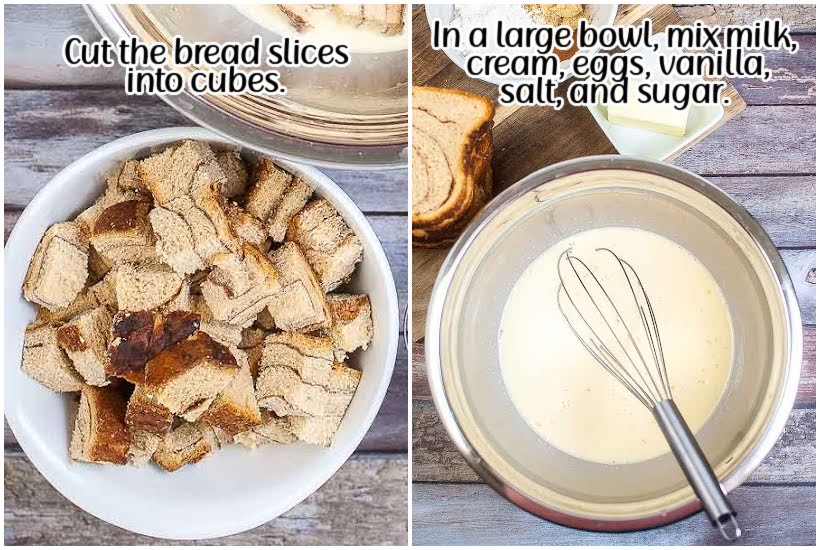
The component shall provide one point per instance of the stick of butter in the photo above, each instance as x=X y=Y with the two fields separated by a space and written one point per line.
x=656 y=117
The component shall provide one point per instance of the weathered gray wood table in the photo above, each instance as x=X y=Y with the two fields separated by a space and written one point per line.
x=54 y=115
x=765 y=158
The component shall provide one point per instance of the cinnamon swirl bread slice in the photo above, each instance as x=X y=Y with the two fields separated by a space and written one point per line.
x=452 y=149
x=432 y=238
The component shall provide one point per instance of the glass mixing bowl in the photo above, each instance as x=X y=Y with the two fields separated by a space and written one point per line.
x=341 y=117
x=519 y=225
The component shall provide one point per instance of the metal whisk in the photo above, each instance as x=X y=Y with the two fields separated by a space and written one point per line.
x=625 y=339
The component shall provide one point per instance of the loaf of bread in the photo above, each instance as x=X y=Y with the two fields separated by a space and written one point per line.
x=452 y=150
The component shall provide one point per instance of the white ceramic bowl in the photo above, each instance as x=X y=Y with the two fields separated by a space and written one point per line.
x=602 y=14
x=235 y=489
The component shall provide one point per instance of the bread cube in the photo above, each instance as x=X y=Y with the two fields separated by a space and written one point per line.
x=85 y=340
x=235 y=409
x=311 y=357
x=315 y=430
x=275 y=196
x=268 y=186
x=301 y=304
x=100 y=433
x=122 y=233
x=139 y=337
x=272 y=430
x=144 y=413
x=351 y=322
x=330 y=246
x=241 y=309
x=187 y=444
x=59 y=267
x=236 y=173
x=143 y=446
x=146 y=286
x=175 y=241
x=188 y=374
x=246 y=226
x=46 y=363
x=282 y=391
x=170 y=174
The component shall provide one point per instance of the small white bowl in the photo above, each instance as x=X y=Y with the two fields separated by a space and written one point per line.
x=602 y=14
x=637 y=142
x=235 y=489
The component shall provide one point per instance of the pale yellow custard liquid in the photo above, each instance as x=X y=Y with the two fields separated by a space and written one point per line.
x=568 y=398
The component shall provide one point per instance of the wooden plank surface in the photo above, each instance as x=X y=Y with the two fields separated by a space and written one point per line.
x=476 y=515
x=48 y=129
x=364 y=503
x=768 y=140
x=799 y=16
x=33 y=40
x=793 y=79
x=436 y=459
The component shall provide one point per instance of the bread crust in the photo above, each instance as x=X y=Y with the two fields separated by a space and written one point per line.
x=122 y=233
x=144 y=413
x=45 y=362
x=481 y=185
x=446 y=236
x=100 y=433
x=468 y=193
x=141 y=336
x=179 y=358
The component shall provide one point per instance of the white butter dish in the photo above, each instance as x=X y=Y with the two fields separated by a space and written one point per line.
x=639 y=142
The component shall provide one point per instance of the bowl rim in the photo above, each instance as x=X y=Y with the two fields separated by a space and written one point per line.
x=334 y=461
x=793 y=347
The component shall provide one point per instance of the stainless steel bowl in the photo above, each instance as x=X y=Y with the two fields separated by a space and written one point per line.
x=340 y=117
x=514 y=229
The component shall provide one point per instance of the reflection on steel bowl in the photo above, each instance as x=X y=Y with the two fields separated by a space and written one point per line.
x=351 y=116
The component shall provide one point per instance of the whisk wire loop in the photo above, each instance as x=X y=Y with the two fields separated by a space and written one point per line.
x=632 y=368
x=598 y=350
x=649 y=322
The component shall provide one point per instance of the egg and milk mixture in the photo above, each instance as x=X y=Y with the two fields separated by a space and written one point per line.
x=568 y=398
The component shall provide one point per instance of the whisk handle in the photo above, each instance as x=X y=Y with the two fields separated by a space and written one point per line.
x=697 y=470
